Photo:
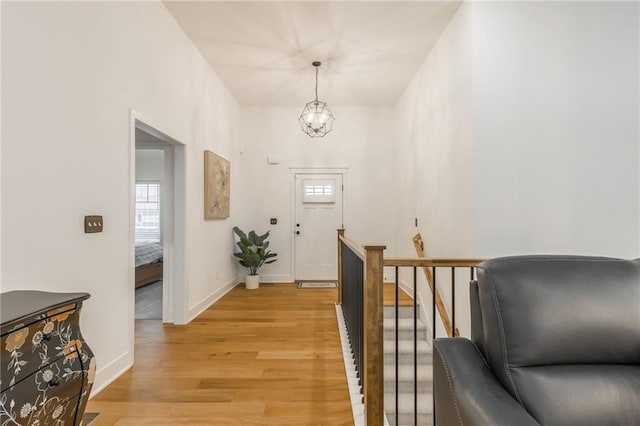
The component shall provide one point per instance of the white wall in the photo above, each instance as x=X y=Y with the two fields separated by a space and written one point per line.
x=362 y=141
x=434 y=156
x=71 y=72
x=516 y=140
x=1 y=133
x=434 y=147
x=150 y=165
x=556 y=116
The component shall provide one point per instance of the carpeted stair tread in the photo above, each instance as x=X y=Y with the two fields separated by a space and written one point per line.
x=405 y=373
x=407 y=420
x=405 y=329
x=403 y=312
x=406 y=368
x=403 y=324
x=423 y=358
x=405 y=402
x=406 y=347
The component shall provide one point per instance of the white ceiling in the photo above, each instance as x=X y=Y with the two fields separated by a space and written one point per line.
x=263 y=50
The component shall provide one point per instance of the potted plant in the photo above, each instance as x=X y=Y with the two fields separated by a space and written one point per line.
x=253 y=254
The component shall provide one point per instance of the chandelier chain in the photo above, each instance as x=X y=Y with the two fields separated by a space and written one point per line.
x=316 y=83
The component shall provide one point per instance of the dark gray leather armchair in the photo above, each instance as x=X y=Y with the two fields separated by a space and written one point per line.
x=555 y=341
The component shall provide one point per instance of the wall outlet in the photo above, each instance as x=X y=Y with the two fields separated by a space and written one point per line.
x=274 y=221
x=92 y=224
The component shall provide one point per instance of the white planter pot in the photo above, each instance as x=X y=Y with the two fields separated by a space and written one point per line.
x=252 y=282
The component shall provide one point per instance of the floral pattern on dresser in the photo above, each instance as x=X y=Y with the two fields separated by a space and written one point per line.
x=49 y=368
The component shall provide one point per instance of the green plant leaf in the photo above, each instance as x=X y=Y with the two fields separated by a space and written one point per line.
x=254 y=251
x=260 y=240
x=239 y=233
x=253 y=238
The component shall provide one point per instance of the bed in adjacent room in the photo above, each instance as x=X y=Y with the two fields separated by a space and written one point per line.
x=148 y=263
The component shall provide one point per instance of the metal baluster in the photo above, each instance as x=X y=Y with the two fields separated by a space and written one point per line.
x=396 y=353
x=415 y=346
x=433 y=302
x=453 y=301
x=359 y=298
x=433 y=385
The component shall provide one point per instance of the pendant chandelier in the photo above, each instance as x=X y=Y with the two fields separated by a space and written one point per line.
x=316 y=119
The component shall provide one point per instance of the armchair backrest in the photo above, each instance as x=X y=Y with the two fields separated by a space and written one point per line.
x=547 y=310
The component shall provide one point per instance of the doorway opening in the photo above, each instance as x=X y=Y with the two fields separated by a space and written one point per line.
x=318 y=212
x=151 y=191
x=158 y=216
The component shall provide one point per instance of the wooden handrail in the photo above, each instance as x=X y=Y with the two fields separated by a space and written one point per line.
x=442 y=310
x=339 y=283
x=356 y=248
x=425 y=263
x=372 y=374
x=431 y=262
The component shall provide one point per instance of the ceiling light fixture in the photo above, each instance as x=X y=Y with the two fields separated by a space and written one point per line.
x=316 y=119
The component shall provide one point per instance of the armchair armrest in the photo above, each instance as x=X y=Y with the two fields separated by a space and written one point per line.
x=467 y=392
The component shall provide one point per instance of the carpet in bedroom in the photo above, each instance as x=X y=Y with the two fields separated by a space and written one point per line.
x=149 y=301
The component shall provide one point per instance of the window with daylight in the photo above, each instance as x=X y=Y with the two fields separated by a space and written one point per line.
x=319 y=191
x=148 y=212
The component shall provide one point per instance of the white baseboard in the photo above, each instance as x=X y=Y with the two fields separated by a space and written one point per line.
x=199 y=308
x=275 y=278
x=357 y=406
x=110 y=372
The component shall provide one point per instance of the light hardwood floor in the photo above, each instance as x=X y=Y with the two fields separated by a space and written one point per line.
x=267 y=356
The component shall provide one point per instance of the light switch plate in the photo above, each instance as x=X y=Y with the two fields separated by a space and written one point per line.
x=92 y=224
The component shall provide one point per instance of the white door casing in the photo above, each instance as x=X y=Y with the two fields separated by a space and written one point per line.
x=318 y=212
x=174 y=224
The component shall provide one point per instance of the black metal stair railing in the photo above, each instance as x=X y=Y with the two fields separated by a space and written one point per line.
x=434 y=265
x=360 y=284
x=352 y=278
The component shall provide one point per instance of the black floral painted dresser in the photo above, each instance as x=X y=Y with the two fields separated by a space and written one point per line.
x=47 y=367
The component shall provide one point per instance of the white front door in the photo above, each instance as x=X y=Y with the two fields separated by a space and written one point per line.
x=318 y=214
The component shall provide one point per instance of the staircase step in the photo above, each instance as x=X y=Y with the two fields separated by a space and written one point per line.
x=403 y=311
x=405 y=408
x=405 y=352
x=405 y=329
x=405 y=378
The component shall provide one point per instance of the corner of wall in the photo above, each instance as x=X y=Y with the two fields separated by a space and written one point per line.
x=217 y=294
x=110 y=372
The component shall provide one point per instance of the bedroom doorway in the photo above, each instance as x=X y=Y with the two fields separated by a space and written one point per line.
x=158 y=225
x=150 y=205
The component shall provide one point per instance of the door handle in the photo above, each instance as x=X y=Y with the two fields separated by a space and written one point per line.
x=297 y=232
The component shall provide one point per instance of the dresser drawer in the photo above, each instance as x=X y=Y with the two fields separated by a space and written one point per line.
x=48 y=396
x=40 y=341
x=46 y=367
